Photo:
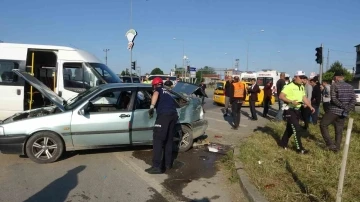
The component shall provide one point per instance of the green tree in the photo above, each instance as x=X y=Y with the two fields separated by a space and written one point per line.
x=156 y=71
x=203 y=71
x=337 y=67
x=125 y=73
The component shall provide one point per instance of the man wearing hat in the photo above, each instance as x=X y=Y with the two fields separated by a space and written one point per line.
x=293 y=95
x=342 y=102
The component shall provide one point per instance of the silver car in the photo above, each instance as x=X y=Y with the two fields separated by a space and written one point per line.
x=109 y=115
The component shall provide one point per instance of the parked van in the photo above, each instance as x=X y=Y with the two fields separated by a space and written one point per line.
x=65 y=70
x=247 y=76
x=266 y=75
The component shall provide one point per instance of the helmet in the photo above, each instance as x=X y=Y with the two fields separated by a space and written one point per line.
x=156 y=81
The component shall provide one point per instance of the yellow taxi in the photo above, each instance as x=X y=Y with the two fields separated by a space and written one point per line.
x=219 y=95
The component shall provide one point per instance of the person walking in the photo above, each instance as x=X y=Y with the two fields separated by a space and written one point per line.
x=253 y=90
x=305 y=110
x=164 y=128
x=267 y=98
x=342 y=102
x=315 y=100
x=227 y=91
x=237 y=97
x=294 y=95
x=326 y=96
x=279 y=86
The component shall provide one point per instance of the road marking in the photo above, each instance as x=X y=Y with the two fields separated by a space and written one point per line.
x=222 y=121
x=146 y=177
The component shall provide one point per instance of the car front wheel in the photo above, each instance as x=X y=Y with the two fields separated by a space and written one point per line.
x=187 y=139
x=44 y=147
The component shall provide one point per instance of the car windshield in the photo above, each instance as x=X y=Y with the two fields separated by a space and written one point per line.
x=75 y=101
x=219 y=85
x=105 y=72
x=261 y=81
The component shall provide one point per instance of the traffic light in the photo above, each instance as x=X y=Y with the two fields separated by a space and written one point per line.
x=318 y=55
x=188 y=68
x=133 y=65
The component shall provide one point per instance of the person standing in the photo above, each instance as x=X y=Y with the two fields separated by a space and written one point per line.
x=237 y=97
x=305 y=110
x=279 y=86
x=164 y=128
x=342 y=102
x=227 y=91
x=315 y=100
x=267 y=98
x=168 y=83
x=203 y=87
x=253 y=90
x=326 y=96
x=293 y=95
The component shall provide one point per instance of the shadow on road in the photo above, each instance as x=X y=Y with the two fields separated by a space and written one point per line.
x=58 y=190
x=201 y=200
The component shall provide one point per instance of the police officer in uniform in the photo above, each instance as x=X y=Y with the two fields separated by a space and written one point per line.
x=293 y=95
x=237 y=96
x=164 y=128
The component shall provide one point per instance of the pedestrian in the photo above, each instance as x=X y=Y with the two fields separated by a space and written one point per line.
x=315 y=100
x=203 y=88
x=293 y=95
x=305 y=110
x=168 y=83
x=227 y=91
x=342 y=102
x=237 y=97
x=267 y=98
x=253 y=90
x=164 y=128
x=279 y=86
x=326 y=96
x=147 y=81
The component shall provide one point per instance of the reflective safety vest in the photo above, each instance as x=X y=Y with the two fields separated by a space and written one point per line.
x=239 y=89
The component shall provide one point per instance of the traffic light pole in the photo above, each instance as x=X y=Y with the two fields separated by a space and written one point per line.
x=321 y=65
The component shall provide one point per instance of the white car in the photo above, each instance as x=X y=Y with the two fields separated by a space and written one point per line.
x=357 y=94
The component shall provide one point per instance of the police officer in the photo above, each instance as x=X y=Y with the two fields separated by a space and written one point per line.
x=164 y=127
x=293 y=95
x=237 y=96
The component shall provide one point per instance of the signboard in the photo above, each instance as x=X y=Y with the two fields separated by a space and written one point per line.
x=192 y=72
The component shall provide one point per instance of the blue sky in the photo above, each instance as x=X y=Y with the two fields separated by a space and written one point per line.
x=210 y=28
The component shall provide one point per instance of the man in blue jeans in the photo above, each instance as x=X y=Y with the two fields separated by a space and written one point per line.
x=279 y=86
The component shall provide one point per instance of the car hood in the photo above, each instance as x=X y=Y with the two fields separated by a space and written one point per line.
x=42 y=88
x=188 y=89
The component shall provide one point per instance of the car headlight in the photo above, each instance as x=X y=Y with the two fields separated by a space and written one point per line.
x=2 y=132
x=201 y=113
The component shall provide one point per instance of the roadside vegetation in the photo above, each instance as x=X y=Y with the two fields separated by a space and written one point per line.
x=284 y=175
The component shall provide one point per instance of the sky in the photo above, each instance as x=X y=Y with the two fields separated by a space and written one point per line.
x=214 y=32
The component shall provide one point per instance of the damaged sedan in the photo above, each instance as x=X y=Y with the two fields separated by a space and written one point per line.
x=109 y=115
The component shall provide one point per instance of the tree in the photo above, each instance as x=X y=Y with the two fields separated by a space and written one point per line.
x=156 y=71
x=125 y=73
x=337 y=67
x=203 y=71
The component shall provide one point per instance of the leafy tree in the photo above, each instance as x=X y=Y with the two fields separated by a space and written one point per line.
x=203 y=71
x=125 y=73
x=337 y=67
x=156 y=71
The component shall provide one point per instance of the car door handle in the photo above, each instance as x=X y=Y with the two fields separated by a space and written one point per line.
x=124 y=115
x=18 y=91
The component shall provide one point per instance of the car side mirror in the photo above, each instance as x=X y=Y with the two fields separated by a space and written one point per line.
x=81 y=112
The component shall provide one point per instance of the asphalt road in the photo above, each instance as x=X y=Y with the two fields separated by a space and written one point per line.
x=118 y=174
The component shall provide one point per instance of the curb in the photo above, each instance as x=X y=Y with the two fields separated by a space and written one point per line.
x=248 y=188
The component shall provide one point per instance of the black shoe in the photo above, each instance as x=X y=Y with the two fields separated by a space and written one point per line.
x=154 y=170
x=302 y=151
x=234 y=128
x=168 y=167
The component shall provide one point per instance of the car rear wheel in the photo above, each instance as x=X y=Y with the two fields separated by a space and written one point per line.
x=44 y=147
x=187 y=139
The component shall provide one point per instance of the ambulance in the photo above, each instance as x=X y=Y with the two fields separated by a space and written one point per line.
x=66 y=71
x=266 y=75
x=247 y=76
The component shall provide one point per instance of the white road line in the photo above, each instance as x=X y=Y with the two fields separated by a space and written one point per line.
x=222 y=121
x=146 y=177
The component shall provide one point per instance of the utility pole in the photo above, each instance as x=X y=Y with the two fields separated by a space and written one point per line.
x=130 y=28
x=106 y=51
x=321 y=65
x=327 y=61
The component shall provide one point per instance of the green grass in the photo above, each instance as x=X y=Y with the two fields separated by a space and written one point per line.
x=284 y=175
x=228 y=163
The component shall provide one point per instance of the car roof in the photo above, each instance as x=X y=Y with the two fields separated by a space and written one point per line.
x=124 y=85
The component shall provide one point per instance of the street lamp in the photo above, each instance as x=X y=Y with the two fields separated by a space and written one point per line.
x=183 y=56
x=247 y=51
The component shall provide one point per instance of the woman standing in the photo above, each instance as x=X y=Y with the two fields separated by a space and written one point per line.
x=267 y=97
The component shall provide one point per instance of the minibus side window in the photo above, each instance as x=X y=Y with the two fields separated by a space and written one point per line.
x=76 y=77
x=7 y=77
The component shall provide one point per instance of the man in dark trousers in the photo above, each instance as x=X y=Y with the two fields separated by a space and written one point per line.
x=342 y=103
x=227 y=91
x=237 y=96
x=253 y=90
x=315 y=99
x=164 y=127
x=279 y=86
